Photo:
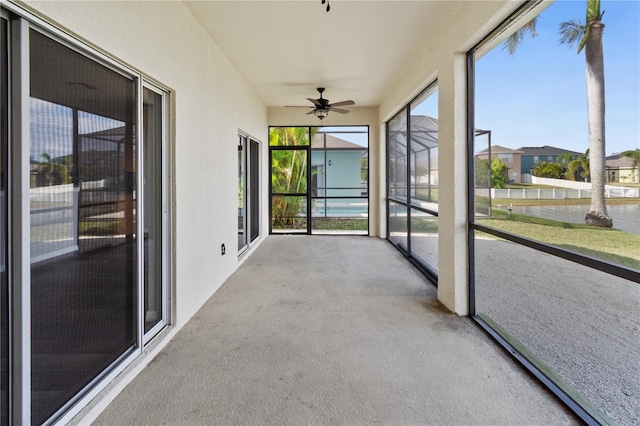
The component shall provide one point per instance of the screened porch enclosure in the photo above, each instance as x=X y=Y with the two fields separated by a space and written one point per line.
x=319 y=180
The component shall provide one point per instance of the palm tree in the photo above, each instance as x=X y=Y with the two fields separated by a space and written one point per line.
x=564 y=159
x=46 y=167
x=634 y=154
x=580 y=166
x=288 y=174
x=590 y=36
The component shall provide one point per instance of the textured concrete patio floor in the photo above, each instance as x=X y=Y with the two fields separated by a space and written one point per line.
x=331 y=330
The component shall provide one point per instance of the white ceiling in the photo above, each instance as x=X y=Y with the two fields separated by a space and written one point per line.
x=286 y=49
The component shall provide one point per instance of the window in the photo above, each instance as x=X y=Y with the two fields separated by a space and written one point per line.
x=89 y=186
x=505 y=158
x=541 y=279
x=413 y=180
x=248 y=191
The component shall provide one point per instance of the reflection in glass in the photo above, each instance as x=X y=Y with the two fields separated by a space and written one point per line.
x=581 y=323
x=153 y=213
x=83 y=265
x=254 y=188
x=242 y=193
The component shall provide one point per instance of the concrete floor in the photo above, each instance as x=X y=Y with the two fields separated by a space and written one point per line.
x=331 y=330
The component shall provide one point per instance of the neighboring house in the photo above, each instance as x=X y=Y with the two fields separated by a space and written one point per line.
x=336 y=170
x=510 y=157
x=533 y=155
x=620 y=169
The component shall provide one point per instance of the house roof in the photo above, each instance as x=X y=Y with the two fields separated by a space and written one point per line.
x=545 y=150
x=617 y=160
x=497 y=149
x=333 y=142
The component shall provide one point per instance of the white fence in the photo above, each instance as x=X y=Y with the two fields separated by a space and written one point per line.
x=557 y=194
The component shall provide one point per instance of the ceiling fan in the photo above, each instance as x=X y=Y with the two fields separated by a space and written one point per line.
x=321 y=106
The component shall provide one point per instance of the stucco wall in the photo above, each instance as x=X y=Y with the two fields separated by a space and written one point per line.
x=212 y=102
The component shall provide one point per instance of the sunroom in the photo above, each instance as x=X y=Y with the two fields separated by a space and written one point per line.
x=150 y=149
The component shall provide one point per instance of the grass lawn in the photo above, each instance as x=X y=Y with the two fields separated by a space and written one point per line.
x=611 y=245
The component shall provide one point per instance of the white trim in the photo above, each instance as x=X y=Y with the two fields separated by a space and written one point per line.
x=20 y=264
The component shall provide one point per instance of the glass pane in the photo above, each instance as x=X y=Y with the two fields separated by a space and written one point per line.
x=83 y=242
x=288 y=171
x=344 y=173
x=579 y=322
x=4 y=290
x=350 y=215
x=424 y=151
x=289 y=213
x=242 y=193
x=544 y=162
x=254 y=188
x=398 y=156
x=482 y=172
x=536 y=169
x=398 y=225
x=153 y=215
x=289 y=136
x=424 y=238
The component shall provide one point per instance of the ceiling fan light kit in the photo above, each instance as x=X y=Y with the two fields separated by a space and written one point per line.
x=322 y=106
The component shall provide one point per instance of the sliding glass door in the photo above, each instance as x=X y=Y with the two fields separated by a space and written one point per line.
x=248 y=191
x=83 y=221
x=84 y=209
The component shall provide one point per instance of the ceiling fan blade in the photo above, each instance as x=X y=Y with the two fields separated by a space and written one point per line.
x=316 y=102
x=297 y=106
x=343 y=103
x=311 y=112
x=339 y=110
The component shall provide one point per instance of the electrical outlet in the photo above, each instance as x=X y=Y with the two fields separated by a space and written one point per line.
x=223 y=249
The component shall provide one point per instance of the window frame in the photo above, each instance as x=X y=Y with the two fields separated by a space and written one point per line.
x=429 y=271
x=251 y=189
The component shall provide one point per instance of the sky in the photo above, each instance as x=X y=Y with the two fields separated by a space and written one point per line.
x=538 y=96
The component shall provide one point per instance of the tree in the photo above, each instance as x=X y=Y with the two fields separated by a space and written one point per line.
x=580 y=167
x=590 y=36
x=634 y=154
x=564 y=159
x=499 y=172
x=549 y=170
x=288 y=174
x=53 y=172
